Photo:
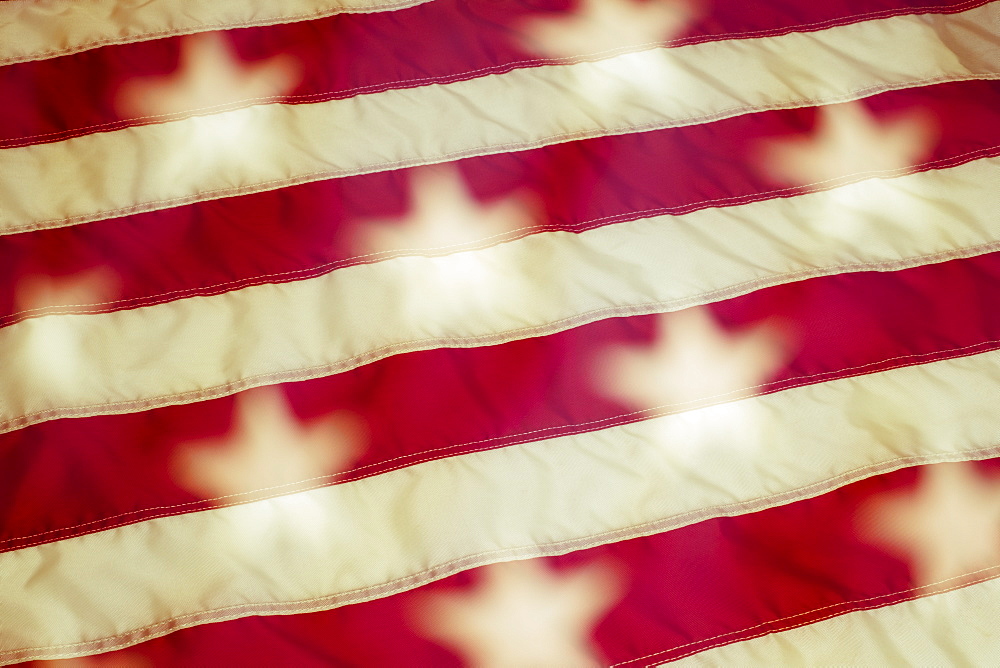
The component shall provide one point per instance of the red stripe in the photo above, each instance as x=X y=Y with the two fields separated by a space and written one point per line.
x=441 y=41
x=72 y=476
x=307 y=230
x=703 y=585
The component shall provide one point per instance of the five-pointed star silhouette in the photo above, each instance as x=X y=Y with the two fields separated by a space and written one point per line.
x=444 y=216
x=849 y=142
x=692 y=359
x=210 y=77
x=53 y=348
x=603 y=26
x=268 y=450
x=522 y=613
x=947 y=528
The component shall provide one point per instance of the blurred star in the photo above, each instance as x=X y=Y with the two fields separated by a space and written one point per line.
x=53 y=349
x=268 y=448
x=692 y=358
x=210 y=77
x=445 y=216
x=40 y=292
x=522 y=613
x=464 y=263
x=849 y=141
x=947 y=528
x=601 y=26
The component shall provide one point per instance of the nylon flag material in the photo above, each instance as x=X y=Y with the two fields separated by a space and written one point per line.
x=499 y=332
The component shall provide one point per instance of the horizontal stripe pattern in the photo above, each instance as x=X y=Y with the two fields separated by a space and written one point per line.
x=30 y=31
x=68 y=477
x=326 y=325
x=308 y=230
x=944 y=629
x=701 y=495
x=175 y=572
x=433 y=42
x=208 y=157
x=699 y=568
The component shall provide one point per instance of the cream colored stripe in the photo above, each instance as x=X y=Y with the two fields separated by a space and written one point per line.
x=42 y=29
x=195 y=348
x=956 y=628
x=269 y=146
x=331 y=546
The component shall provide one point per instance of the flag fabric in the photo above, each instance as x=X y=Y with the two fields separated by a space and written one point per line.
x=499 y=332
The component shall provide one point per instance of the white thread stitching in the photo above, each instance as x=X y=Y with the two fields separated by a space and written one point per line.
x=326 y=267
x=508 y=335
x=851 y=605
x=147 y=36
x=520 y=438
x=495 y=69
x=271 y=184
x=361 y=590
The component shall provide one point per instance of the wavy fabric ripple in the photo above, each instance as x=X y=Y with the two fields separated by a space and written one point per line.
x=507 y=332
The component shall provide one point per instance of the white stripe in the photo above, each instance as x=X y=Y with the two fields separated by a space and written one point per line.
x=313 y=550
x=196 y=348
x=956 y=628
x=270 y=146
x=42 y=29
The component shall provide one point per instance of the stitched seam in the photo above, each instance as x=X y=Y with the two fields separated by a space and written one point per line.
x=149 y=36
x=272 y=184
x=520 y=438
x=433 y=251
x=359 y=594
x=678 y=647
x=482 y=71
x=486 y=242
x=853 y=606
x=484 y=339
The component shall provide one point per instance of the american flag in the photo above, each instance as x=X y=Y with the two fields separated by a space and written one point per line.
x=499 y=332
